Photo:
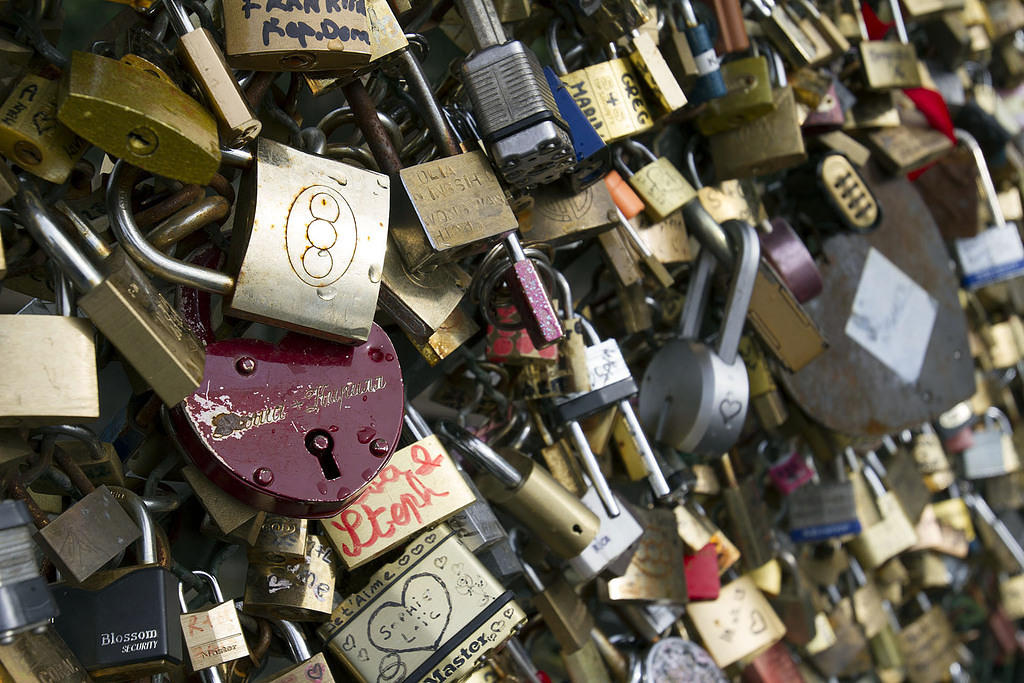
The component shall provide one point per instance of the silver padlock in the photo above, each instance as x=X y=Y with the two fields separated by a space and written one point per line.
x=708 y=420
x=993 y=453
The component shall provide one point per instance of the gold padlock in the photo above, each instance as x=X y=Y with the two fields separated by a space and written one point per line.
x=166 y=132
x=30 y=133
x=659 y=184
x=765 y=145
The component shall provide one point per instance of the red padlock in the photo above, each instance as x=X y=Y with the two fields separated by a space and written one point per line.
x=296 y=428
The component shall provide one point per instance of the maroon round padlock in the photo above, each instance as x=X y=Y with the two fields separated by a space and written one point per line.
x=297 y=428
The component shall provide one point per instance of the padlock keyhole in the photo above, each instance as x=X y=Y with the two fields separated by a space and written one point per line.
x=320 y=443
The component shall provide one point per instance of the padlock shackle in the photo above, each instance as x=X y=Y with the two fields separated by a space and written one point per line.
x=741 y=287
x=122 y=222
x=557 y=60
x=993 y=414
x=218 y=595
x=429 y=108
x=697 y=296
x=989 y=188
x=88 y=238
x=78 y=432
x=415 y=422
x=134 y=505
x=481 y=18
x=297 y=646
x=84 y=275
x=178 y=17
x=981 y=506
x=461 y=439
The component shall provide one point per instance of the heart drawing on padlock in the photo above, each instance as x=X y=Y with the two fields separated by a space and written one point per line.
x=425 y=603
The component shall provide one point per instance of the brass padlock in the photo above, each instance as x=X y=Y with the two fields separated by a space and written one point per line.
x=659 y=183
x=167 y=132
x=749 y=96
x=278 y=587
x=122 y=303
x=30 y=133
x=229 y=514
x=767 y=144
x=739 y=624
x=887 y=64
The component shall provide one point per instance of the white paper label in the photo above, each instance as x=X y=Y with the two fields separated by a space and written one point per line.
x=990 y=256
x=892 y=317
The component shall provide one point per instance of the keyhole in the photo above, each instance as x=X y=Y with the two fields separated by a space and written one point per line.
x=320 y=444
x=142 y=141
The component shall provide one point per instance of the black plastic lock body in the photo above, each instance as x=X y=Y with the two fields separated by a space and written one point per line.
x=127 y=629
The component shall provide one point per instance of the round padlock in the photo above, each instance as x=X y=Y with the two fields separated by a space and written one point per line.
x=296 y=428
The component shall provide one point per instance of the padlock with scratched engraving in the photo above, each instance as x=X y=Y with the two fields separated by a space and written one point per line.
x=30 y=133
x=402 y=623
x=533 y=496
x=328 y=455
x=740 y=623
x=652 y=574
x=559 y=218
x=123 y=623
x=278 y=586
x=711 y=423
x=300 y=225
x=122 y=304
x=212 y=636
x=420 y=487
x=167 y=132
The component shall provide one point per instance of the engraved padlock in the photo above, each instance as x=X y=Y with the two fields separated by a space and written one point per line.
x=344 y=416
x=710 y=421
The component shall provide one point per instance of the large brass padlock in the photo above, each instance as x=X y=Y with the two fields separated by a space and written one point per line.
x=166 y=132
x=765 y=145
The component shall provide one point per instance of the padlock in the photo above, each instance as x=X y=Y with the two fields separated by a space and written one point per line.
x=821 y=510
x=610 y=549
x=701 y=570
x=310 y=668
x=558 y=518
x=30 y=133
x=557 y=218
x=894 y=533
x=712 y=423
x=30 y=604
x=126 y=627
x=608 y=93
x=29 y=398
x=785 y=34
x=212 y=636
x=610 y=382
x=170 y=135
x=748 y=95
x=40 y=655
x=347 y=250
x=280 y=483
x=271 y=37
x=197 y=48
x=593 y=158
x=826 y=27
x=931 y=459
x=435 y=588
x=529 y=141
x=563 y=612
x=790 y=258
x=748 y=517
x=660 y=186
x=846 y=652
x=122 y=304
x=796 y=604
x=887 y=64
x=765 y=397
x=742 y=612
x=653 y=572
x=767 y=144
x=708 y=82
x=420 y=487
x=928 y=643
x=904 y=479
x=97 y=460
x=993 y=452
x=77 y=545
x=447 y=209
x=230 y=515
x=280 y=538
x=278 y=587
